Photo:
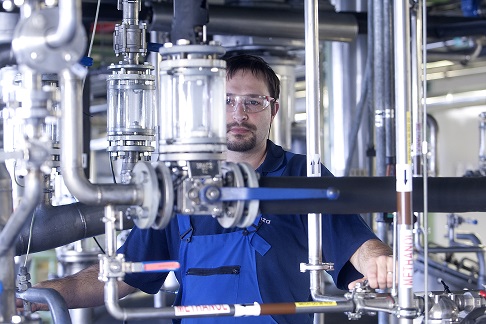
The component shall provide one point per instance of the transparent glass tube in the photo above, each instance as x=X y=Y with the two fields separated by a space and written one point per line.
x=192 y=119
x=131 y=101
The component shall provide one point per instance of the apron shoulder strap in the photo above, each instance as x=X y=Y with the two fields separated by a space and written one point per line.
x=185 y=227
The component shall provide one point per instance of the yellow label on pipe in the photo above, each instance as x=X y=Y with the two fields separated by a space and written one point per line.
x=314 y=304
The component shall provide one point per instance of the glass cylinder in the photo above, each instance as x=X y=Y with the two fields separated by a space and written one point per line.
x=131 y=105
x=131 y=100
x=192 y=119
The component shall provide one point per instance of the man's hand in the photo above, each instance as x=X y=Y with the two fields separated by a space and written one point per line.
x=379 y=273
x=34 y=307
x=373 y=259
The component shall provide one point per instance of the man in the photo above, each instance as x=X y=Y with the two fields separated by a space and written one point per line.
x=256 y=264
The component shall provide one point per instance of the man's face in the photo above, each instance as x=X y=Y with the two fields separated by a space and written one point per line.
x=247 y=131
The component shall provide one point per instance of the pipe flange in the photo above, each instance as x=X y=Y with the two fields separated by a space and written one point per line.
x=232 y=210
x=251 y=207
x=167 y=196
x=144 y=176
x=31 y=48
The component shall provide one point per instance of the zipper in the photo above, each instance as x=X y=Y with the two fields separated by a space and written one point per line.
x=228 y=270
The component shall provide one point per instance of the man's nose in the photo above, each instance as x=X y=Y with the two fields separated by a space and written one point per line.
x=239 y=114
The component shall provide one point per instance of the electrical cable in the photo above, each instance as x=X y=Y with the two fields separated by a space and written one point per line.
x=30 y=240
x=99 y=245
x=95 y=24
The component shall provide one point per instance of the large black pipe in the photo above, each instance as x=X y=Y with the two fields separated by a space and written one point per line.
x=57 y=226
x=61 y=225
x=378 y=194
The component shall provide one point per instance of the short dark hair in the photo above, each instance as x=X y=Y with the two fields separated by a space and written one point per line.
x=258 y=67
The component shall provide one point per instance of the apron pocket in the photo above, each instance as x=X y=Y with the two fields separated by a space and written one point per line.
x=225 y=270
x=205 y=286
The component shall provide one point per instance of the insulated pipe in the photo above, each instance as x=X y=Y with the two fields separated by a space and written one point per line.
x=61 y=225
x=401 y=15
x=7 y=271
x=256 y=21
x=57 y=304
x=69 y=19
x=31 y=198
x=378 y=194
x=72 y=152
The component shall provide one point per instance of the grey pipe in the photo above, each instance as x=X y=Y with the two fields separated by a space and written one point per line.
x=253 y=21
x=7 y=271
x=480 y=255
x=69 y=19
x=57 y=305
x=72 y=152
x=377 y=89
x=32 y=197
x=313 y=143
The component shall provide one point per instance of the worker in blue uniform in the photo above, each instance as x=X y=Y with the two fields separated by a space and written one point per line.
x=245 y=265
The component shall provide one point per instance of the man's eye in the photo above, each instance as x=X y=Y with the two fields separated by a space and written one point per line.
x=253 y=103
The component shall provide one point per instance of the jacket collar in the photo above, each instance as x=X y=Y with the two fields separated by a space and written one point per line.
x=274 y=159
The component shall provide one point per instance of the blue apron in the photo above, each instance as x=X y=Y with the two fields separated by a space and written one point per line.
x=221 y=269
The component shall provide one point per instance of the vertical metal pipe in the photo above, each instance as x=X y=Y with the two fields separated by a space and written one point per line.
x=424 y=147
x=32 y=197
x=416 y=90
x=7 y=275
x=401 y=15
x=313 y=139
x=378 y=83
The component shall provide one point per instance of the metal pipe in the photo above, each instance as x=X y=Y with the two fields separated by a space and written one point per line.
x=32 y=197
x=313 y=140
x=72 y=152
x=253 y=21
x=401 y=15
x=69 y=19
x=480 y=255
x=377 y=87
x=236 y=310
x=7 y=275
x=57 y=304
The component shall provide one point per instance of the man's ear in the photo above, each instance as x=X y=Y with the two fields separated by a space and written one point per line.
x=275 y=108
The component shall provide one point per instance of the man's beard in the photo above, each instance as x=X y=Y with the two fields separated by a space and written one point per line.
x=240 y=144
